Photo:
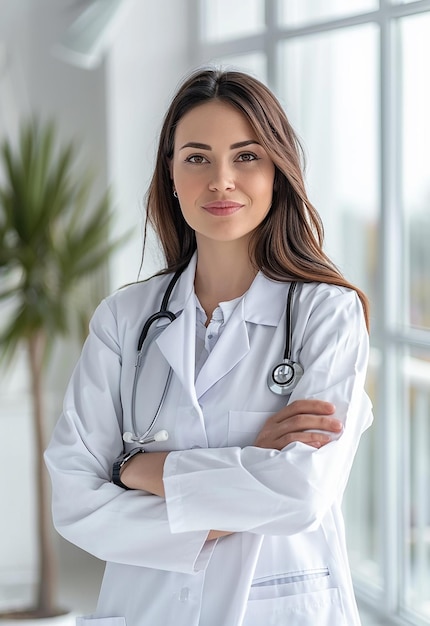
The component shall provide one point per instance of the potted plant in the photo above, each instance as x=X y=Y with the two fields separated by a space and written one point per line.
x=52 y=237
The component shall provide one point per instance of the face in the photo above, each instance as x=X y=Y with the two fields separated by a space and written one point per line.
x=222 y=175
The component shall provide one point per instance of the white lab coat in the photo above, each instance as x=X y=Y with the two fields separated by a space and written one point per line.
x=286 y=562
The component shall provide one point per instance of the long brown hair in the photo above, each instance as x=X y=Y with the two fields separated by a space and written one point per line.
x=288 y=244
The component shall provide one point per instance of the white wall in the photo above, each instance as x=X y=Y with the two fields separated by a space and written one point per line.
x=13 y=45
x=114 y=111
x=143 y=70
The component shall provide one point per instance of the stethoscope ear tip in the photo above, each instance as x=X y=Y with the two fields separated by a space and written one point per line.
x=162 y=435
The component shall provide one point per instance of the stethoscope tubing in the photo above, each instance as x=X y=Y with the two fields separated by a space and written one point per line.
x=142 y=349
x=139 y=360
x=288 y=321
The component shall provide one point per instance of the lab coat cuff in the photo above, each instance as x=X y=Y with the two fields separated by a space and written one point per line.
x=173 y=494
x=175 y=512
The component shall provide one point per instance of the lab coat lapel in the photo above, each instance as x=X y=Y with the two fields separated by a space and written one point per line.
x=231 y=347
x=264 y=304
x=177 y=341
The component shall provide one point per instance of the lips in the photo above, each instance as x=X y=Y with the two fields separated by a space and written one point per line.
x=222 y=207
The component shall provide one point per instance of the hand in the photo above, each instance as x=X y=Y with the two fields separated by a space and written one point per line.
x=291 y=423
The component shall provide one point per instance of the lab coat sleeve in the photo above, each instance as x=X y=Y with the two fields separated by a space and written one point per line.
x=289 y=491
x=129 y=527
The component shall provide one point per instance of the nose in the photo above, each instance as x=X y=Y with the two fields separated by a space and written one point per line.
x=222 y=178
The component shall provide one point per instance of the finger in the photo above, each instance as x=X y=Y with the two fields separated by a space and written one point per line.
x=317 y=444
x=317 y=440
x=301 y=423
x=305 y=407
x=313 y=406
x=296 y=427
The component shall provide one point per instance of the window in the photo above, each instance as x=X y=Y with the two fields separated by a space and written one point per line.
x=352 y=77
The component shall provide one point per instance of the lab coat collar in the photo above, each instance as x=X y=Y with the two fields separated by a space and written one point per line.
x=184 y=290
x=264 y=302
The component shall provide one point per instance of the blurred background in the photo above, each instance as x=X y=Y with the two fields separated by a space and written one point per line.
x=354 y=80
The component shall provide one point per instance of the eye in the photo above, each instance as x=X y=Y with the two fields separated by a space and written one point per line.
x=246 y=157
x=196 y=158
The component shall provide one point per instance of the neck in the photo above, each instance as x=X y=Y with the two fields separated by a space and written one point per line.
x=224 y=272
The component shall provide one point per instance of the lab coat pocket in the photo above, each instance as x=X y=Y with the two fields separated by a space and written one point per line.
x=244 y=426
x=323 y=607
x=100 y=621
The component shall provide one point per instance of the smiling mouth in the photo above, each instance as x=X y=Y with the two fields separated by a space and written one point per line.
x=222 y=207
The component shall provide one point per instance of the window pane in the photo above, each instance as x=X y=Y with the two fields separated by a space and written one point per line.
x=228 y=19
x=254 y=63
x=416 y=585
x=298 y=12
x=415 y=53
x=362 y=501
x=328 y=84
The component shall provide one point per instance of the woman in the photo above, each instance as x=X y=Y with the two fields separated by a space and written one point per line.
x=235 y=519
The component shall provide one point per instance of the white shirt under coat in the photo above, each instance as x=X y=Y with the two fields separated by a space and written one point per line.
x=286 y=562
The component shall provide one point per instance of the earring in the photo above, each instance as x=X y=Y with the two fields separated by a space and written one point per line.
x=175 y=193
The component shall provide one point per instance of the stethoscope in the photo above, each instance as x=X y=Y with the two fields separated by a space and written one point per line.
x=281 y=380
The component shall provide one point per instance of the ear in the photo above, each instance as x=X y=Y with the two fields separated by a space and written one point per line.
x=170 y=166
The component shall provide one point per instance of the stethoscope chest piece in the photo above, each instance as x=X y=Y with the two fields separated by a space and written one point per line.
x=283 y=378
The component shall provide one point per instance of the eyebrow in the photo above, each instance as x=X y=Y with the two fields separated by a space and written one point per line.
x=205 y=146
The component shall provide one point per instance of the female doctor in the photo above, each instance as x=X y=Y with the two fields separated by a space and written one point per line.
x=231 y=516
